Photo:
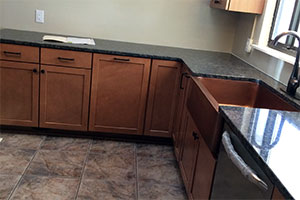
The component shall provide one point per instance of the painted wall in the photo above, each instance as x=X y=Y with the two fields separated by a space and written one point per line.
x=276 y=68
x=179 y=23
x=1 y=14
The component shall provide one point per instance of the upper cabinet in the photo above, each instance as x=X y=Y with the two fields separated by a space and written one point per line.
x=245 y=6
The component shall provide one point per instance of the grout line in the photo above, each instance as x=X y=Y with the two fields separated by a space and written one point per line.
x=83 y=168
x=24 y=172
x=136 y=172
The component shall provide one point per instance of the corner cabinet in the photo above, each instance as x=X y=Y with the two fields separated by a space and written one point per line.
x=162 y=101
x=245 y=6
x=178 y=130
x=19 y=85
x=119 y=94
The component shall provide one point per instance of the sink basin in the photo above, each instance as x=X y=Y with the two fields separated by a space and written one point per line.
x=241 y=93
x=208 y=94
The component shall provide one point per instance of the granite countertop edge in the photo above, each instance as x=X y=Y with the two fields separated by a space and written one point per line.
x=254 y=154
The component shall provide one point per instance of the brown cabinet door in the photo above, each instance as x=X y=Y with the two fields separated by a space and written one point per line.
x=246 y=6
x=179 y=116
x=204 y=172
x=19 y=87
x=64 y=98
x=277 y=195
x=162 y=98
x=118 y=95
x=189 y=152
x=253 y=6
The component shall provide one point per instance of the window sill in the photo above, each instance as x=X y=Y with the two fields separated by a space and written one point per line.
x=274 y=53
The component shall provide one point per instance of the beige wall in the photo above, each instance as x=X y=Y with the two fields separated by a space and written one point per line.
x=1 y=12
x=277 y=69
x=179 y=23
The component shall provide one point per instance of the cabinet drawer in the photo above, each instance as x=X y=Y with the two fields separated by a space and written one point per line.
x=66 y=58
x=19 y=53
x=221 y=4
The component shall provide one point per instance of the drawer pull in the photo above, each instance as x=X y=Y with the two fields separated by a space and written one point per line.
x=34 y=70
x=217 y=1
x=122 y=59
x=10 y=53
x=66 y=59
x=43 y=71
x=181 y=79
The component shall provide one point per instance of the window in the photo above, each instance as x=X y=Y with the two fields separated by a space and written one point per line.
x=286 y=17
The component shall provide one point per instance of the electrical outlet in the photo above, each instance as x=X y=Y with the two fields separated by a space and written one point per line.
x=39 y=16
x=248 y=46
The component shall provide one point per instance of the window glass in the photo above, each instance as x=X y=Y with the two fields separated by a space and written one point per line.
x=283 y=18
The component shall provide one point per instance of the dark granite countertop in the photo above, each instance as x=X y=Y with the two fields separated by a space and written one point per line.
x=272 y=137
x=279 y=161
x=200 y=63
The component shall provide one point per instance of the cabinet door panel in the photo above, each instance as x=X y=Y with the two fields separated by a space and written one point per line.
x=204 y=172
x=19 y=87
x=189 y=152
x=64 y=98
x=253 y=6
x=179 y=116
x=119 y=91
x=162 y=98
x=277 y=195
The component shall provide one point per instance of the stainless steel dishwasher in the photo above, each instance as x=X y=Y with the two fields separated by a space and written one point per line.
x=237 y=175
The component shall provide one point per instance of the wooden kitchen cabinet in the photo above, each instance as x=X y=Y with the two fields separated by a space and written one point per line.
x=119 y=94
x=19 y=93
x=197 y=163
x=164 y=84
x=19 y=53
x=64 y=97
x=19 y=85
x=204 y=172
x=277 y=195
x=246 y=6
x=177 y=133
x=66 y=58
x=189 y=151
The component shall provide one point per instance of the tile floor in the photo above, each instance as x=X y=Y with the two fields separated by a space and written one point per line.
x=43 y=167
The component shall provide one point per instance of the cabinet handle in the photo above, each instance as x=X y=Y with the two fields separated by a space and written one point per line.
x=34 y=70
x=10 y=53
x=240 y=163
x=43 y=71
x=196 y=137
x=66 y=59
x=122 y=59
x=181 y=79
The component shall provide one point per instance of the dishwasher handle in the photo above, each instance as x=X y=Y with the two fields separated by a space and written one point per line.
x=240 y=163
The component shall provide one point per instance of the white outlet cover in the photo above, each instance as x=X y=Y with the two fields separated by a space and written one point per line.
x=39 y=16
x=248 y=47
